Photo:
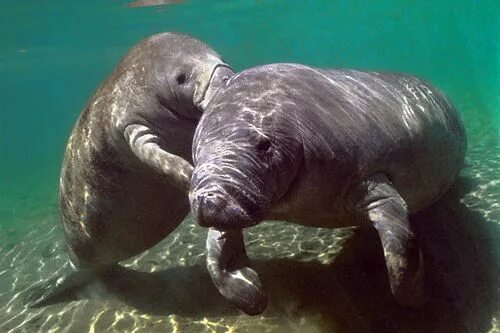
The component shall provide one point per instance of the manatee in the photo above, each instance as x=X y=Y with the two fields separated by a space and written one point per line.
x=327 y=148
x=146 y=3
x=127 y=166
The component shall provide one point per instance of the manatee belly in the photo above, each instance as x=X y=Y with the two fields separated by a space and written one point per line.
x=114 y=216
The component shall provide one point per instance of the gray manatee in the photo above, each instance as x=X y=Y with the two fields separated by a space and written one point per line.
x=127 y=167
x=326 y=148
x=145 y=3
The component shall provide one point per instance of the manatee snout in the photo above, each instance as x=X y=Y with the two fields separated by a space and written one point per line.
x=219 y=77
x=209 y=209
x=223 y=211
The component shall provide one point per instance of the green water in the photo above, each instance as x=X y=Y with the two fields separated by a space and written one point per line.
x=53 y=54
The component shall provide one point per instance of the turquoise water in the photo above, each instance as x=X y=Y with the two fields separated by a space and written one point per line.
x=53 y=54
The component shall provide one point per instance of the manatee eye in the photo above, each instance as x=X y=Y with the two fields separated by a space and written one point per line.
x=181 y=78
x=263 y=145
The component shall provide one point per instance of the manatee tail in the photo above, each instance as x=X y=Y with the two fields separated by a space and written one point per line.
x=59 y=289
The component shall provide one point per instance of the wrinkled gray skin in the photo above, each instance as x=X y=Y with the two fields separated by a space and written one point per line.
x=127 y=166
x=328 y=148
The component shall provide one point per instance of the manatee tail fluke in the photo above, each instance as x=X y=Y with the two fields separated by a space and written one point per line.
x=58 y=289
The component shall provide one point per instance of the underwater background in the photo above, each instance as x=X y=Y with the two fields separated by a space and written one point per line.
x=54 y=54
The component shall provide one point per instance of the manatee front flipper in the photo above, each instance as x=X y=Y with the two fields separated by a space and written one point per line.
x=228 y=265
x=144 y=144
x=379 y=201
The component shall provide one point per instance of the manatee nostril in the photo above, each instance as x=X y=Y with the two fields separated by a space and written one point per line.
x=263 y=144
x=208 y=209
x=181 y=78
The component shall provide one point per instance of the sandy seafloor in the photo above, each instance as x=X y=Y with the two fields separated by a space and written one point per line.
x=318 y=280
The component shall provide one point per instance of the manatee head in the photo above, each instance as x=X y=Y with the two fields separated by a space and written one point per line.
x=170 y=76
x=247 y=154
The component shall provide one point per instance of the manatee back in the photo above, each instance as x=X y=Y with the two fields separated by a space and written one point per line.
x=405 y=128
x=354 y=123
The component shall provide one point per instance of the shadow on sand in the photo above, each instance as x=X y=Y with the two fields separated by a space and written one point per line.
x=351 y=294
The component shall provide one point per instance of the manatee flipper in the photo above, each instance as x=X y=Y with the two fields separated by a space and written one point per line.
x=144 y=143
x=386 y=209
x=228 y=265
x=59 y=289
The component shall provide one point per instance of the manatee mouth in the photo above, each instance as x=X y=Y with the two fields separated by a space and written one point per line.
x=224 y=213
x=219 y=77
